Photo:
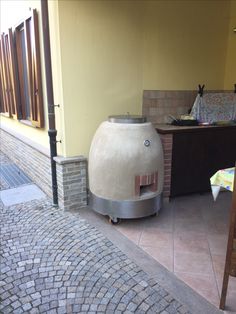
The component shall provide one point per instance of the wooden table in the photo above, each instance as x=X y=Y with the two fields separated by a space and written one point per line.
x=226 y=178
x=222 y=179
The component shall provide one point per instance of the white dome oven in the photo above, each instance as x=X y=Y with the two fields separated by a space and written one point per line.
x=126 y=168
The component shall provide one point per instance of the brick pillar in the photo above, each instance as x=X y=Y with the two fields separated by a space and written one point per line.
x=72 y=182
x=167 y=142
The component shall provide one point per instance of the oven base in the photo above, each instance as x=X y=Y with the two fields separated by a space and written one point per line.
x=127 y=208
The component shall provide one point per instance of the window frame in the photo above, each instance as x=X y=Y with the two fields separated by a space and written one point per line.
x=33 y=65
x=20 y=73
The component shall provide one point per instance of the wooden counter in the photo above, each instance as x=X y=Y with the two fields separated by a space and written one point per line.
x=168 y=128
x=196 y=154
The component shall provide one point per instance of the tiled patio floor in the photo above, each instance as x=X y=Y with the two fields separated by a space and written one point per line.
x=189 y=238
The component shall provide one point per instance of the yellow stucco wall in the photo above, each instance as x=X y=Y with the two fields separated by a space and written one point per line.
x=185 y=44
x=104 y=53
x=230 y=68
x=55 y=45
x=112 y=50
x=101 y=65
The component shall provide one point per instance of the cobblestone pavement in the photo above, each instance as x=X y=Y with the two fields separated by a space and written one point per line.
x=55 y=262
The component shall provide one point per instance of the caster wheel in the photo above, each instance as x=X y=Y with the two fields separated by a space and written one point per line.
x=113 y=221
x=154 y=215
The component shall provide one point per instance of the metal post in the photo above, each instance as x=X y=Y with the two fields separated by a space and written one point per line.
x=52 y=132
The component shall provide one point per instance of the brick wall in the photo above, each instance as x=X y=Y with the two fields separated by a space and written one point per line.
x=72 y=182
x=34 y=163
x=71 y=172
x=167 y=142
x=157 y=105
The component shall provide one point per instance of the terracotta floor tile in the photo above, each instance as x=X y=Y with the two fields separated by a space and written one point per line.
x=198 y=282
x=195 y=263
x=189 y=225
x=218 y=262
x=132 y=234
x=167 y=225
x=222 y=227
x=162 y=221
x=188 y=201
x=163 y=255
x=211 y=295
x=215 y=227
x=189 y=216
x=230 y=304
x=231 y=284
x=190 y=234
x=217 y=244
x=156 y=238
x=182 y=212
x=191 y=243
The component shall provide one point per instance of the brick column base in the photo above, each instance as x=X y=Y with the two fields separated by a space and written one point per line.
x=72 y=182
x=167 y=142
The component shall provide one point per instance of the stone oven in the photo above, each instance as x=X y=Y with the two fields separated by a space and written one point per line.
x=126 y=168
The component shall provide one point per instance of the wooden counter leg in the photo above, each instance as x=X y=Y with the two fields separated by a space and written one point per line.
x=224 y=289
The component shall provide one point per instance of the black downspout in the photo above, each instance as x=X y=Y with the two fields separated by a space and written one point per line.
x=52 y=132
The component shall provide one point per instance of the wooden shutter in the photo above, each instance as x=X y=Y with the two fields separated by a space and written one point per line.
x=2 y=106
x=34 y=70
x=13 y=76
x=9 y=79
x=1 y=93
x=28 y=57
x=4 y=78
